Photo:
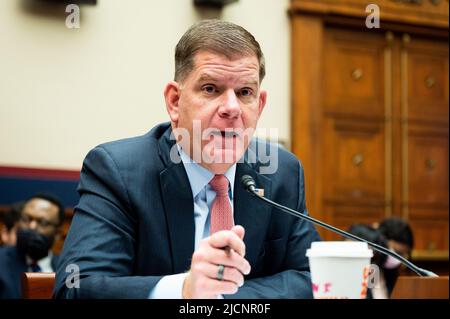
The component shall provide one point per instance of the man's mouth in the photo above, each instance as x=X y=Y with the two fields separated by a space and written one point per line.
x=224 y=142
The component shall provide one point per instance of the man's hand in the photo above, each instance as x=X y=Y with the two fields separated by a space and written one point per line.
x=222 y=248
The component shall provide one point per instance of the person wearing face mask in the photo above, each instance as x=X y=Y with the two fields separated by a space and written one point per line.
x=381 y=290
x=39 y=224
x=400 y=239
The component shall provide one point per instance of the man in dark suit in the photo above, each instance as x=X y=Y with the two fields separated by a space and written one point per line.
x=164 y=215
x=39 y=223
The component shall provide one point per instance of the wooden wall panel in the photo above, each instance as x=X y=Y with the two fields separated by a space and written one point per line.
x=427 y=78
x=370 y=115
x=354 y=73
x=428 y=168
x=355 y=167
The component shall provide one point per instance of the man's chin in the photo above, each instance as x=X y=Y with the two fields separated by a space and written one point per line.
x=220 y=160
x=226 y=156
x=218 y=168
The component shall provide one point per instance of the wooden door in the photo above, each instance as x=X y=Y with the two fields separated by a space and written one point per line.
x=354 y=130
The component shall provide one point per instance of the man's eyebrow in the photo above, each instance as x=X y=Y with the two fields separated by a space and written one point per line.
x=251 y=82
x=206 y=77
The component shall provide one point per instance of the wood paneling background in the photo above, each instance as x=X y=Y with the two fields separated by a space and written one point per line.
x=370 y=115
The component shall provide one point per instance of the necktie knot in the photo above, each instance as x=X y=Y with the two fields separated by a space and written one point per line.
x=220 y=185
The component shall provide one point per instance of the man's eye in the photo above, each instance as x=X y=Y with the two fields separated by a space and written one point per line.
x=246 y=92
x=209 y=89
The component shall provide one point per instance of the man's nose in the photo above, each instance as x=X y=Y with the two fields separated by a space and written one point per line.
x=33 y=225
x=230 y=107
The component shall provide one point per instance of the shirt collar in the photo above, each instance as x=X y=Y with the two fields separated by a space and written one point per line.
x=199 y=176
x=46 y=263
x=43 y=261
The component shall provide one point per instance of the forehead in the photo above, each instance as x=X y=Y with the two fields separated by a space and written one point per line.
x=38 y=207
x=213 y=66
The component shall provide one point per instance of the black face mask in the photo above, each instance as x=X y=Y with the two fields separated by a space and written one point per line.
x=33 y=244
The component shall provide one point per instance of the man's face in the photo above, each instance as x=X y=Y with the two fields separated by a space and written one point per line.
x=223 y=97
x=40 y=215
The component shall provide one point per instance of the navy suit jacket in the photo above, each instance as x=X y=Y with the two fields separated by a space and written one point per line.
x=12 y=265
x=134 y=223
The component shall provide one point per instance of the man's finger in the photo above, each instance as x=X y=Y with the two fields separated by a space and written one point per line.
x=239 y=230
x=228 y=274
x=221 y=257
x=229 y=239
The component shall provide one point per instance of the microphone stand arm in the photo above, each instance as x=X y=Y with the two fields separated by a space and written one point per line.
x=419 y=271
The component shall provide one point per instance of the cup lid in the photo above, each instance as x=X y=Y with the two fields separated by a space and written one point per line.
x=354 y=249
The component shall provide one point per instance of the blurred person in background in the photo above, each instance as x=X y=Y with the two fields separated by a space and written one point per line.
x=382 y=289
x=10 y=220
x=400 y=239
x=38 y=226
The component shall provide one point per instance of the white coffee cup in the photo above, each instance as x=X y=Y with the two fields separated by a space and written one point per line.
x=339 y=269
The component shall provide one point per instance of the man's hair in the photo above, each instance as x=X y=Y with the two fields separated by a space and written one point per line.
x=220 y=37
x=55 y=201
x=12 y=216
x=397 y=229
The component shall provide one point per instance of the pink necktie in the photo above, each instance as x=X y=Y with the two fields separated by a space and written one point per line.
x=221 y=217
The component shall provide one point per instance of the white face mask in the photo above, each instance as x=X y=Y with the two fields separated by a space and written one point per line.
x=391 y=263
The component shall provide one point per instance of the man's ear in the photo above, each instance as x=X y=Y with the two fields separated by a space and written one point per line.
x=262 y=101
x=172 y=93
x=59 y=233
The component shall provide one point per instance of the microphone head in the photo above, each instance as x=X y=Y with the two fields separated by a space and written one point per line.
x=248 y=182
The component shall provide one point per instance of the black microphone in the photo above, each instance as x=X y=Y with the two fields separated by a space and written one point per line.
x=249 y=184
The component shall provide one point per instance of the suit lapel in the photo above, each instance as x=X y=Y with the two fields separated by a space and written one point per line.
x=251 y=213
x=179 y=206
x=179 y=209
